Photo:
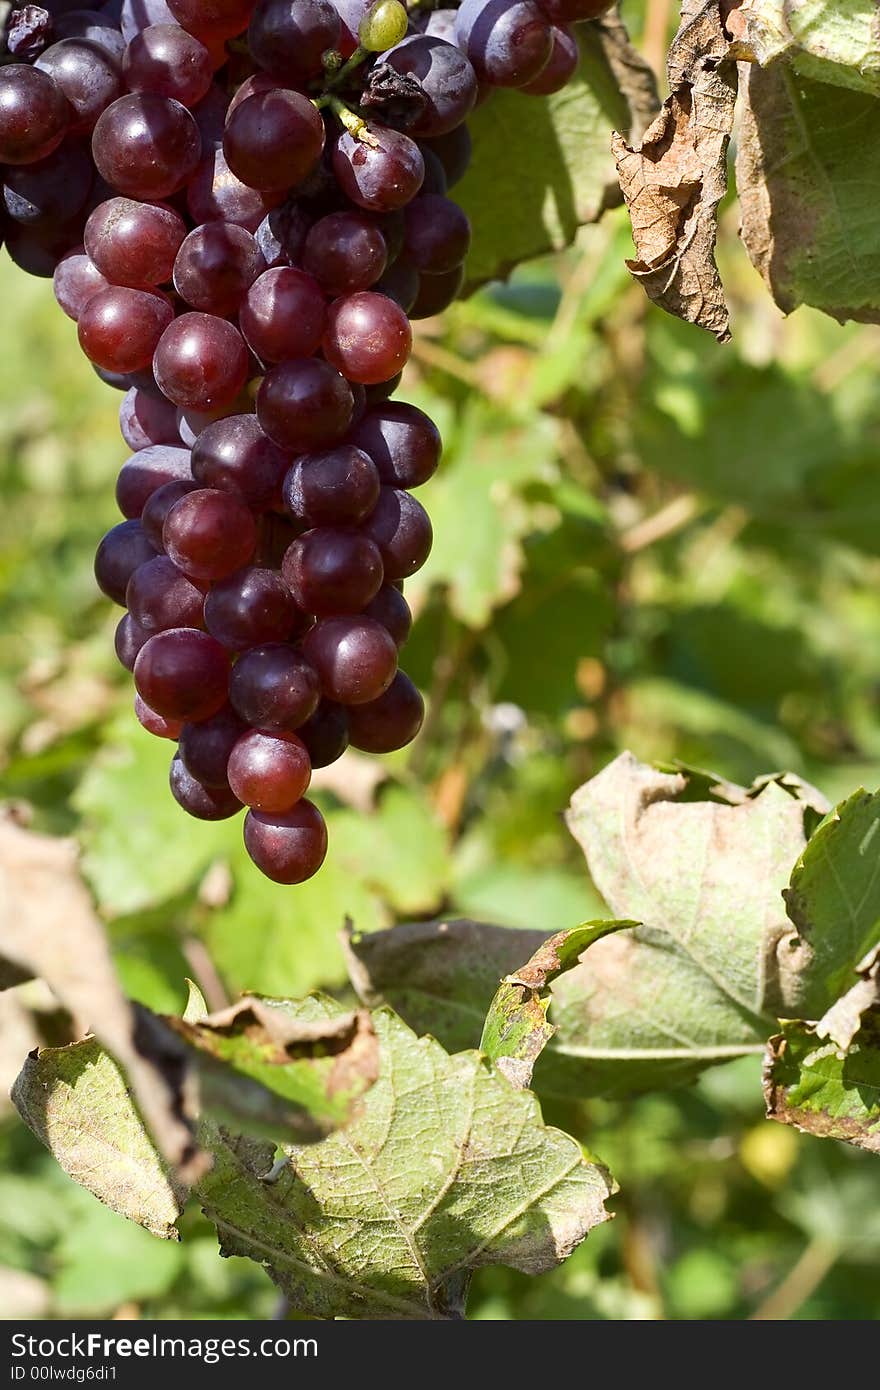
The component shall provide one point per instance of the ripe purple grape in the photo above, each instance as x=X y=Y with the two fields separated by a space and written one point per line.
x=183 y=674
x=88 y=77
x=436 y=293
x=133 y=243
x=325 y=734
x=51 y=191
x=274 y=687
x=438 y=234
x=166 y=61
x=338 y=487
x=214 y=193
x=290 y=37
x=289 y=847
x=216 y=266
x=144 y=420
x=251 y=607
x=75 y=280
x=204 y=803
x=402 y=441
x=355 y=658
x=401 y=529
x=34 y=114
x=159 y=596
x=205 y=748
x=128 y=640
x=283 y=315
x=391 y=609
x=367 y=337
x=146 y=146
x=119 y=328
x=118 y=556
x=454 y=152
x=305 y=405
x=330 y=570
x=156 y=724
x=269 y=772
x=390 y=722
x=382 y=175
x=273 y=140
x=209 y=534
x=508 y=43
x=157 y=508
x=236 y=455
x=145 y=472
x=561 y=66
x=201 y=362
x=345 y=252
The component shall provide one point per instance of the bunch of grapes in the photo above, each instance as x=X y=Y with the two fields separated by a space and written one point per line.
x=243 y=203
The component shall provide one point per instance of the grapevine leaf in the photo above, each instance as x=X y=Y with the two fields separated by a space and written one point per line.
x=823 y=1088
x=834 y=41
x=540 y=166
x=517 y=1029
x=674 y=180
x=50 y=929
x=76 y=1101
x=264 y=1071
x=806 y=164
x=834 y=901
x=446 y=1169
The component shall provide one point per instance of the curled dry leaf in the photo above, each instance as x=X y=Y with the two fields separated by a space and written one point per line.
x=675 y=178
x=49 y=928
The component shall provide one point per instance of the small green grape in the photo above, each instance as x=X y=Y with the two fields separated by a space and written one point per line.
x=383 y=26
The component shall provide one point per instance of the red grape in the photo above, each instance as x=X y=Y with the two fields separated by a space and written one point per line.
x=288 y=847
x=269 y=772
x=183 y=674
x=355 y=658
x=368 y=337
x=120 y=328
x=209 y=533
x=201 y=362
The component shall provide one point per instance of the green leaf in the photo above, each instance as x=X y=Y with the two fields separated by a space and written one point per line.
x=76 y=1101
x=103 y=1262
x=541 y=166
x=824 y=1089
x=263 y=1071
x=808 y=161
x=834 y=901
x=517 y=1030
x=447 y=1169
x=830 y=40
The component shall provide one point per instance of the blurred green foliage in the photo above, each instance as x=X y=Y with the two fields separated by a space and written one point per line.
x=643 y=540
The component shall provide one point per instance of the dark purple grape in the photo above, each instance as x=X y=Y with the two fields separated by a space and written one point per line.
x=159 y=596
x=97 y=27
x=561 y=66
x=345 y=252
x=391 y=609
x=201 y=362
x=390 y=722
x=139 y=14
x=436 y=293
x=402 y=441
x=205 y=747
x=51 y=191
x=283 y=315
x=269 y=772
x=438 y=235
x=87 y=76
x=144 y=421
x=381 y=391
x=146 y=146
x=331 y=571
x=274 y=687
x=400 y=283
x=355 y=658
x=273 y=140
x=336 y=488
x=367 y=337
x=290 y=37
x=120 y=553
x=133 y=243
x=236 y=455
x=128 y=641
x=168 y=62
x=304 y=405
x=380 y=176
x=401 y=528
x=251 y=607
x=216 y=266
x=147 y=470
x=289 y=847
x=210 y=117
x=156 y=510
x=216 y=18
x=75 y=280
x=214 y=193
x=119 y=329
x=435 y=175
x=209 y=534
x=205 y=803
x=446 y=80
x=34 y=114
x=325 y=734
x=508 y=43
x=183 y=674
x=155 y=724
x=454 y=152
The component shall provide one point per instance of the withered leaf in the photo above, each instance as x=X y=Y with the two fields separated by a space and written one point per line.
x=674 y=179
